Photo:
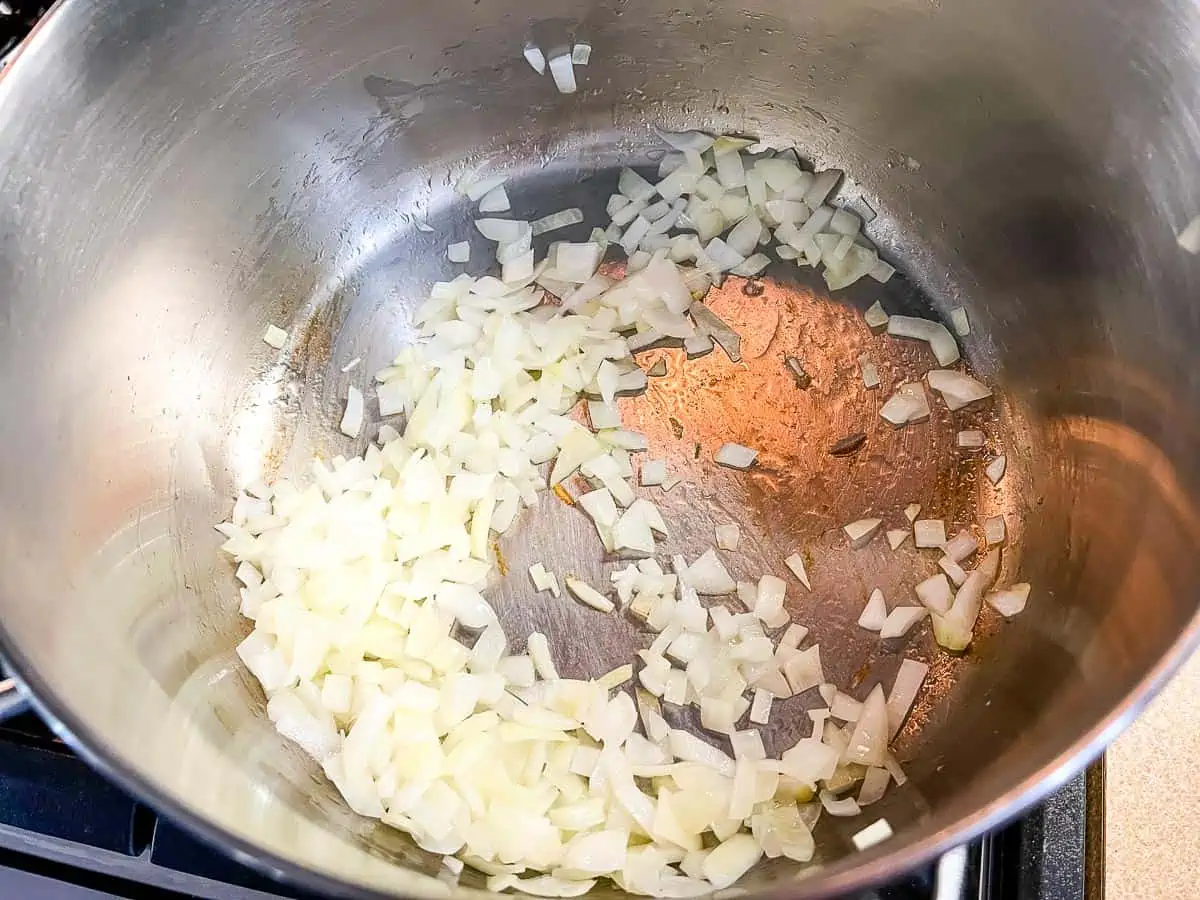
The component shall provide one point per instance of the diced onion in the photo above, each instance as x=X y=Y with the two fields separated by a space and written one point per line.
x=957 y=388
x=459 y=252
x=875 y=317
x=901 y=620
x=958 y=318
x=728 y=536
x=562 y=70
x=588 y=595
x=1009 y=602
x=275 y=337
x=907 y=404
x=870 y=374
x=535 y=58
x=877 y=832
x=352 y=418
x=874 y=614
x=970 y=439
x=735 y=456
x=581 y=53
x=554 y=221
x=935 y=593
x=940 y=341
x=495 y=201
x=929 y=533
x=539 y=652
x=995 y=469
x=795 y=562
x=909 y=678
x=994 y=530
x=861 y=531
x=842 y=808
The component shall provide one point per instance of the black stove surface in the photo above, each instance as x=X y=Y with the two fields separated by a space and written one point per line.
x=67 y=834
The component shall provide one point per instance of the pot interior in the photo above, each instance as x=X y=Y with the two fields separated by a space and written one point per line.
x=204 y=170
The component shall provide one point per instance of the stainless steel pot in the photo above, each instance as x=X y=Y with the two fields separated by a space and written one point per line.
x=174 y=175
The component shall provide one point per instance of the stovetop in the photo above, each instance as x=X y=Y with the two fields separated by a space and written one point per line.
x=67 y=834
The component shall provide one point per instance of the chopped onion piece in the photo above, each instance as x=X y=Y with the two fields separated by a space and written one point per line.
x=875 y=317
x=953 y=570
x=912 y=511
x=995 y=469
x=352 y=418
x=539 y=652
x=735 y=456
x=603 y=415
x=1009 y=602
x=793 y=636
x=868 y=742
x=654 y=472
x=842 y=808
x=760 y=707
x=695 y=141
x=635 y=187
x=581 y=53
x=958 y=318
x=875 y=613
x=730 y=860
x=957 y=388
x=563 y=72
x=708 y=575
x=907 y=404
x=504 y=231
x=823 y=185
x=909 y=678
x=459 y=252
x=874 y=785
x=994 y=530
x=795 y=562
x=970 y=439
x=940 y=341
x=588 y=595
x=561 y=219
x=954 y=629
x=845 y=707
x=901 y=620
x=698 y=345
x=752 y=265
x=897 y=536
x=475 y=188
x=882 y=271
x=870 y=374
x=961 y=546
x=535 y=58
x=543 y=580
x=728 y=537
x=495 y=201
x=710 y=324
x=929 y=533
x=861 y=531
x=935 y=593
x=875 y=833
x=275 y=337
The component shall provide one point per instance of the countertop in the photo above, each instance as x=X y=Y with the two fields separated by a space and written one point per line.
x=1152 y=798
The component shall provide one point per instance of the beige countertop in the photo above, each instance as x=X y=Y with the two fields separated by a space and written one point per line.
x=1152 y=799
